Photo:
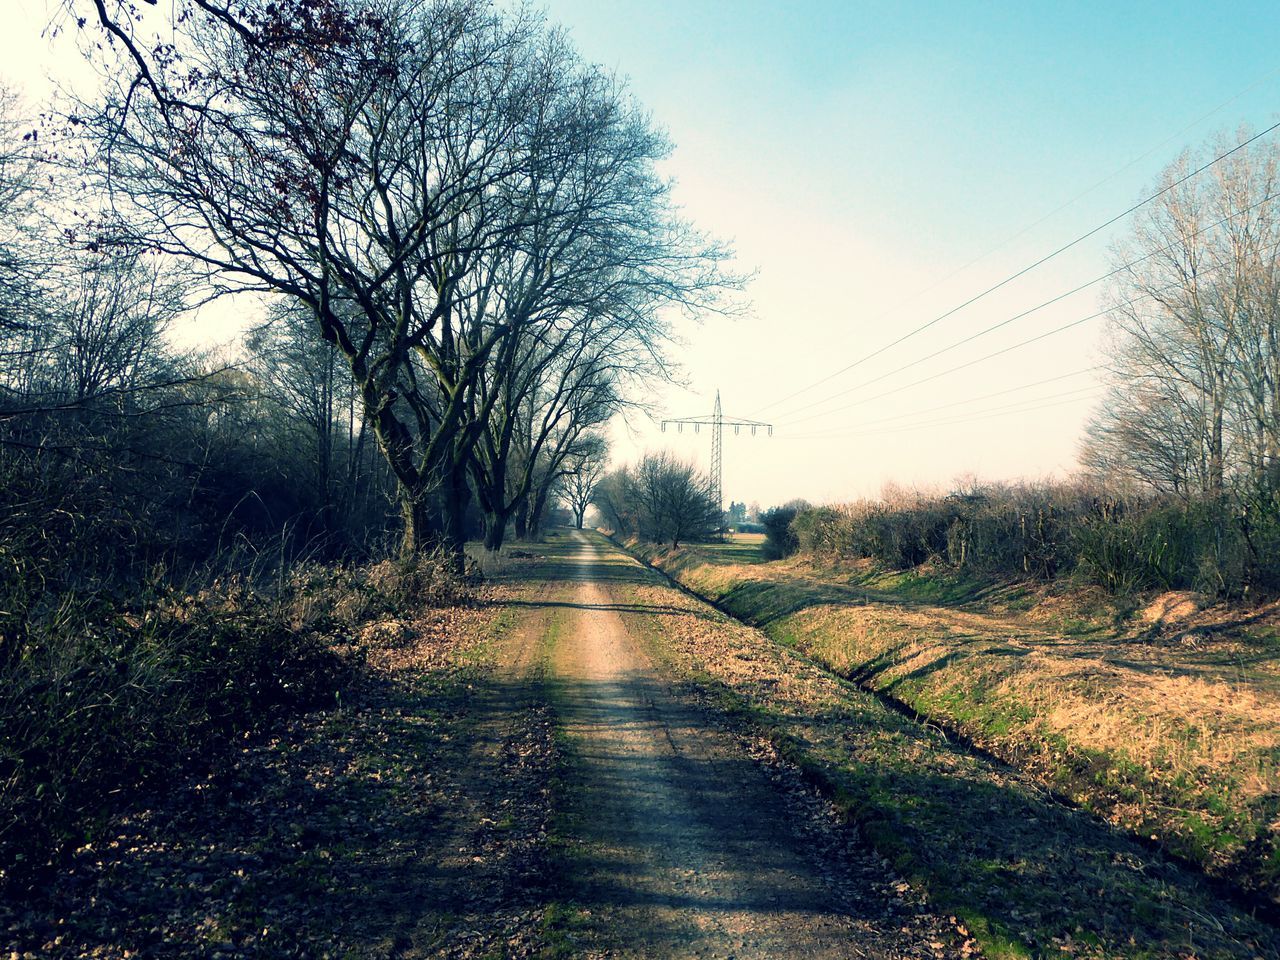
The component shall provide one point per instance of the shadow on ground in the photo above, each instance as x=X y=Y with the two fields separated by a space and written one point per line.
x=412 y=824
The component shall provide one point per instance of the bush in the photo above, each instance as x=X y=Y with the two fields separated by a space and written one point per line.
x=98 y=696
x=780 y=539
x=660 y=499
x=330 y=597
x=1259 y=521
x=1228 y=546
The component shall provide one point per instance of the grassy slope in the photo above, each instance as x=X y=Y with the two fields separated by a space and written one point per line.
x=1172 y=735
x=1027 y=876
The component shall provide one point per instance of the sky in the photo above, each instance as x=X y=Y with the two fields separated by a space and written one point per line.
x=876 y=165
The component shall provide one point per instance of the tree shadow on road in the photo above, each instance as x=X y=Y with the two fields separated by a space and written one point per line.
x=412 y=823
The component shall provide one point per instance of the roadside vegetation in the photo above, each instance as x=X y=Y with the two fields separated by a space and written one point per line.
x=1162 y=718
x=660 y=499
x=1025 y=874
x=410 y=818
x=1083 y=532
x=106 y=696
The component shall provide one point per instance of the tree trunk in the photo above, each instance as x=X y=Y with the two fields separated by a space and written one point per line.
x=522 y=520
x=534 y=520
x=495 y=532
x=421 y=518
x=457 y=498
x=434 y=515
x=1216 y=452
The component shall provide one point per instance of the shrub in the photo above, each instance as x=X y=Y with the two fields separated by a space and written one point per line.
x=101 y=697
x=780 y=539
x=1259 y=522
x=1228 y=546
x=98 y=696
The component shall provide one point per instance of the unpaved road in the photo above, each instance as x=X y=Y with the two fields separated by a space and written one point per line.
x=682 y=846
x=438 y=814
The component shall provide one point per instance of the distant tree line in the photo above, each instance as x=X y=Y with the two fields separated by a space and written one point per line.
x=1123 y=541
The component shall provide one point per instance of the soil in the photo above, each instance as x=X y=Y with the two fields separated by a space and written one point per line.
x=682 y=845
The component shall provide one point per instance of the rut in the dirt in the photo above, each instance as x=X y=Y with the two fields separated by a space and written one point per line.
x=682 y=845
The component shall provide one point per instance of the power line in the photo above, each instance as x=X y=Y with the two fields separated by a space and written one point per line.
x=1107 y=179
x=717 y=423
x=1025 y=313
x=1038 y=307
x=996 y=326
x=986 y=415
x=970 y=363
x=878 y=423
x=959 y=343
x=1027 y=269
x=960 y=403
x=1054 y=212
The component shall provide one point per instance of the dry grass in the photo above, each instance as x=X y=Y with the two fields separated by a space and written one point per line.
x=1167 y=724
x=105 y=697
x=1026 y=875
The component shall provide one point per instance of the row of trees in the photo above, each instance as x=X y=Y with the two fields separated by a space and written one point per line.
x=466 y=259
x=445 y=201
x=120 y=452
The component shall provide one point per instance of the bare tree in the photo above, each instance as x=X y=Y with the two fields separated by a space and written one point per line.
x=22 y=265
x=587 y=469
x=1192 y=395
x=370 y=160
x=308 y=379
x=661 y=499
x=613 y=500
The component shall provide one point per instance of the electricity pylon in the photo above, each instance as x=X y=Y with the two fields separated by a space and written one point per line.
x=717 y=423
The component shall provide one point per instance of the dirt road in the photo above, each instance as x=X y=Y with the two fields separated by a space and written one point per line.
x=681 y=845
x=515 y=778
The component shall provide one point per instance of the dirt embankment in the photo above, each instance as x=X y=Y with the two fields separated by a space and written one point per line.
x=987 y=840
x=1167 y=725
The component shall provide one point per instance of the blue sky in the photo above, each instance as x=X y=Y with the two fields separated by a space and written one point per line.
x=859 y=155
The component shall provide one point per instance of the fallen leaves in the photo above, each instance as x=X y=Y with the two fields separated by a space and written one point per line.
x=330 y=834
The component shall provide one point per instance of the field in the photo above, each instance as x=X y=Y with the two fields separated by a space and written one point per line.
x=1163 y=719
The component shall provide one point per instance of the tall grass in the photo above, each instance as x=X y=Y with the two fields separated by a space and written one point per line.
x=1227 y=546
x=102 y=690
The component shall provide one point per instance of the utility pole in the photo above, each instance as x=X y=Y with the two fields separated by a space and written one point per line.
x=717 y=423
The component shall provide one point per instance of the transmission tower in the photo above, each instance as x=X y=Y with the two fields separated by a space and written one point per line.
x=717 y=423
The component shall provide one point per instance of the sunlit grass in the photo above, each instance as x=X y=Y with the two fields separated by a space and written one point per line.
x=1177 y=739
